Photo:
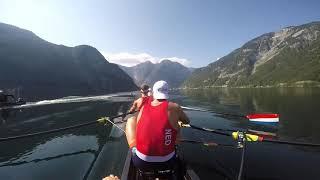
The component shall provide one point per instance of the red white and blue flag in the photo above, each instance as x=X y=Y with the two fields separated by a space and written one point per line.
x=272 y=118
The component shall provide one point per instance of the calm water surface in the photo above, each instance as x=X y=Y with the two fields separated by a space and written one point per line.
x=94 y=151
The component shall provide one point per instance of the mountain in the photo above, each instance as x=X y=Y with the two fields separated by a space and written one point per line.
x=42 y=70
x=290 y=57
x=148 y=73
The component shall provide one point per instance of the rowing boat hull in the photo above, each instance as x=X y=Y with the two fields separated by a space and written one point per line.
x=129 y=172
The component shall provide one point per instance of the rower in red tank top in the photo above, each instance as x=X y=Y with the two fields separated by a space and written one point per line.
x=157 y=128
x=155 y=136
x=132 y=118
x=145 y=95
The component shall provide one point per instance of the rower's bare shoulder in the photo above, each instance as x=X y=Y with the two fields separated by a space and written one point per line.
x=139 y=100
x=174 y=106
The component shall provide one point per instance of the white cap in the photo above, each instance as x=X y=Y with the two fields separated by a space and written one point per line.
x=160 y=90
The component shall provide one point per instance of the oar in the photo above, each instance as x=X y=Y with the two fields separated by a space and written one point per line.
x=268 y=135
x=116 y=126
x=107 y=119
x=251 y=137
x=206 y=129
x=256 y=117
x=204 y=143
x=198 y=142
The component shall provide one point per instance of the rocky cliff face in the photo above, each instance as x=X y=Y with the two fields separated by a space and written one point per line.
x=289 y=57
x=148 y=73
x=42 y=70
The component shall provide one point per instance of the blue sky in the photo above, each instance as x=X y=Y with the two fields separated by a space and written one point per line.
x=192 y=32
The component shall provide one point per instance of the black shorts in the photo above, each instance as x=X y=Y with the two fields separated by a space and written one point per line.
x=145 y=166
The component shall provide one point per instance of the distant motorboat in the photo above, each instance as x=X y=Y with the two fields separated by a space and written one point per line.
x=10 y=100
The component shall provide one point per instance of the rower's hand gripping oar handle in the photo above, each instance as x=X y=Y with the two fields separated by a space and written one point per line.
x=183 y=125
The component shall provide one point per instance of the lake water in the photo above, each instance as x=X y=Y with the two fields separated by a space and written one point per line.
x=93 y=151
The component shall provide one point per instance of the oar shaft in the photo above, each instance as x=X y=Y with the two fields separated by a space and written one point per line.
x=198 y=142
x=291 y=143
x=115 y=125
x=205 y=143
x=122 y=115
x=104 y=119
x=206 y=129
x=242 y=161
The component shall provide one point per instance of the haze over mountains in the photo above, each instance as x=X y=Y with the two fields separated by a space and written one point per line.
x=148 y=73
x=42 y=70
x=289 y=57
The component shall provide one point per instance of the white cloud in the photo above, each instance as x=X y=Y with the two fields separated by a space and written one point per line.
x=131 y=59
x=182 y=61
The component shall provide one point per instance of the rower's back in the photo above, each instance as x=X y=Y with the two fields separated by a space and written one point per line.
x=157 y=131
x=137 y=104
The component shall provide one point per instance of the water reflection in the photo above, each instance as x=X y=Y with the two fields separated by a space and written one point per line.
x=297 y=107
x=299 y=121
x=5 y=114
x=63 y=155
x=89 y=153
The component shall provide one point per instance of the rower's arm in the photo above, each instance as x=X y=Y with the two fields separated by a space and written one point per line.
x=134 y=106
x=182 y=116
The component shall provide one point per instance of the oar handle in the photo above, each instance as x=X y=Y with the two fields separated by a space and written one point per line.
x=184 y=125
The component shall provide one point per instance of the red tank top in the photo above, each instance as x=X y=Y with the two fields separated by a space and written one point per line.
x=155 y=136
x=144 y=101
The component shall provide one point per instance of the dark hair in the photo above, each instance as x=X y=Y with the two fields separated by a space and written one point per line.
x=144 y=87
